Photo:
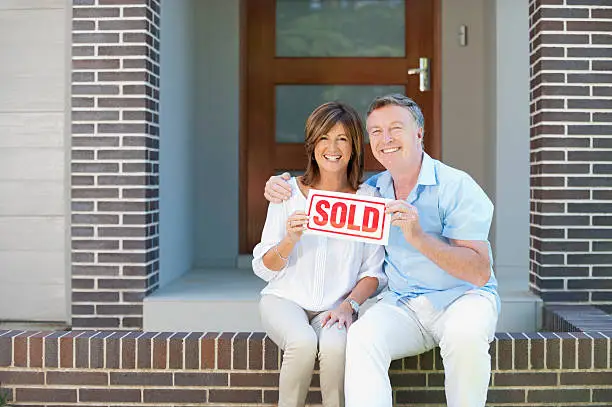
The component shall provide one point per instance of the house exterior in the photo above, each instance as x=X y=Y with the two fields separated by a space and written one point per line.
x=127 y=137
x=89 y=233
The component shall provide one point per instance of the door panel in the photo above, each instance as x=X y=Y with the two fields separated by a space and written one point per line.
x=340 y=28
x=295 y=102
x=297 y=54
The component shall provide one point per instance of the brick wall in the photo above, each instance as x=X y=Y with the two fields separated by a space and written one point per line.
x=220 y=369
x=115 y=147
x=571 y=157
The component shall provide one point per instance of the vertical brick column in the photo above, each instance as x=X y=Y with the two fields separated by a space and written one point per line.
x=571 y=150
x=115 y=148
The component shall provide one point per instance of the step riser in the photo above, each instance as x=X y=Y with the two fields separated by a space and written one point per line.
x=240 y=316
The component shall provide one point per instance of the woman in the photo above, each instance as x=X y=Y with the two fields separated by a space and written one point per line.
x=315 y=283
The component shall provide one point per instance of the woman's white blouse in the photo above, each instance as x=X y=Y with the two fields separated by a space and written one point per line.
x=321 y=271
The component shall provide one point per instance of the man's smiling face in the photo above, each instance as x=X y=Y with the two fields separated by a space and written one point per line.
x=395 y=139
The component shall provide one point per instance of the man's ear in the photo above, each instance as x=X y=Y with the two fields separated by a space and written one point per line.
x=420 y=133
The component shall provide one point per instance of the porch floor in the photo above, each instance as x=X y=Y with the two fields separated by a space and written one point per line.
x=226 y=299
x=33 y=326
x=219 y=299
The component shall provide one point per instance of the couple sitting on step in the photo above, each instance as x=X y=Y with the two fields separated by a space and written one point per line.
x=433 y=280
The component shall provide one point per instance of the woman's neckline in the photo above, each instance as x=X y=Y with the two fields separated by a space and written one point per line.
x=305 y=189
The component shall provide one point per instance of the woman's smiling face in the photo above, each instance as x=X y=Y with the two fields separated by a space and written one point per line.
x=333 y=150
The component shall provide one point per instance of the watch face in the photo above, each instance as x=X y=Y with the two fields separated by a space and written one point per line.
x=354 y=305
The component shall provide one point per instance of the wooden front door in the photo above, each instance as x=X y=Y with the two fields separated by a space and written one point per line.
x=297 y=54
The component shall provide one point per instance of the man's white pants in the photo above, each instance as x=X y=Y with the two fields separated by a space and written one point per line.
x=388 y=331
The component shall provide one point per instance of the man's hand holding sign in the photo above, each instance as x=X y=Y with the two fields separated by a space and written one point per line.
x=406 y=217
x=348 y=216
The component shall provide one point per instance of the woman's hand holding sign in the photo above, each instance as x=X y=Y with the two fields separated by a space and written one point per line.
x=296 y=225
x=406 y=217
x=277 y=258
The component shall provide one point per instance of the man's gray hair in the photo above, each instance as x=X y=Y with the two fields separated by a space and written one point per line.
x=397 y=99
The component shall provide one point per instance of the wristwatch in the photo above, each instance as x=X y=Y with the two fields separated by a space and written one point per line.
x=354 y=305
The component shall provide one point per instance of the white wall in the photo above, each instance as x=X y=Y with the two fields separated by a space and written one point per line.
x=485 y=118
x=463 y=91
x=34 y=159
x=216 y=145
x=177 y=127
x=490 y=119
x=510 y=119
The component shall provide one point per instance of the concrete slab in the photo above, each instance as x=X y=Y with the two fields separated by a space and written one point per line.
x=227 y=300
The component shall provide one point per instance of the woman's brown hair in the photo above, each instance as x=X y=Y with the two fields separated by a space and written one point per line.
x=320 y=122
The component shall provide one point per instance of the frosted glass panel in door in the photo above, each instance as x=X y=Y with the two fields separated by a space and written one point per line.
x=340 y=28
x=294 y=103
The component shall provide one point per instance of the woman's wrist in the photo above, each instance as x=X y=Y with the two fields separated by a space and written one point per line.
x=283 y=258
x=284 y=247
x=292 y=238
x=289 y=241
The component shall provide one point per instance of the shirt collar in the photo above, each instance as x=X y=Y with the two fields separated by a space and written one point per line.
x=427 y=176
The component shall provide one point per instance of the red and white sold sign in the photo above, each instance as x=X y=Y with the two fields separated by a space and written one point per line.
x=347 y=216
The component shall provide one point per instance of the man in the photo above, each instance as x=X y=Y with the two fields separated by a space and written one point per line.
x=442 y=290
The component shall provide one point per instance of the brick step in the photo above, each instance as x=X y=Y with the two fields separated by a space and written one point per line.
x=215 y=369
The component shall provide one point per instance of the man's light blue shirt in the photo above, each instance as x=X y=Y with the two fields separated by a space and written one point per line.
x=451 y=205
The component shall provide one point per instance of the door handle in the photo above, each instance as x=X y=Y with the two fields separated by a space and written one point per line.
x=423 y=72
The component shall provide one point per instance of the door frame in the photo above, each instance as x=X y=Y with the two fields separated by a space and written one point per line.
x=433 y=130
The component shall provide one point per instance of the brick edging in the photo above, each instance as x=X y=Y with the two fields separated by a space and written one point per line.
x=209 y=368
x=576 y=318
x=134 y=350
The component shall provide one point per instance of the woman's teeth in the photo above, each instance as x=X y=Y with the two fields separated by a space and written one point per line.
x=332 y=157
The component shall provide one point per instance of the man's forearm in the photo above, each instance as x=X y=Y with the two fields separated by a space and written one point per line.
x=461 y=262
